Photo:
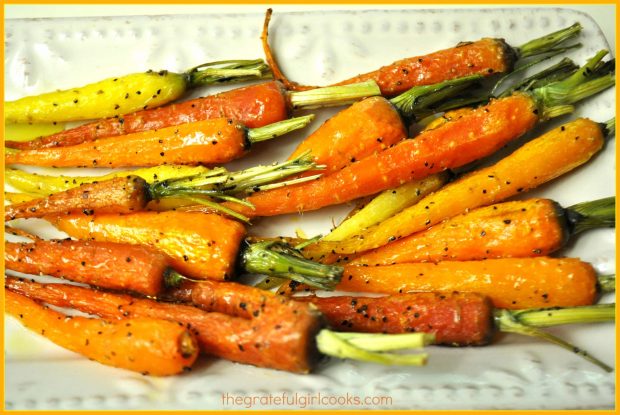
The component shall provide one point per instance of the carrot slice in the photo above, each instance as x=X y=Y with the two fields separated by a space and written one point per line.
x=511 y=283
x=148 y=346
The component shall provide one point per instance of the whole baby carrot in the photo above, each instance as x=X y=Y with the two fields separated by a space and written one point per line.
x=511 y=283
x=523 y=228
x=136 y=268
x=149 y=346
x=485 y=57
x=214 y=141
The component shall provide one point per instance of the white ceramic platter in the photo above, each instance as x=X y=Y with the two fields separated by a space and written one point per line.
x=315 y=48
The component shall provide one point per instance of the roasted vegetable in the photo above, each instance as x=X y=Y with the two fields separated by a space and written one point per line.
x=121 y=95
x=485 y=57
x=254 y=106
x=511 y=283
x=149 y=346
x=538 y=161
x=523 y=228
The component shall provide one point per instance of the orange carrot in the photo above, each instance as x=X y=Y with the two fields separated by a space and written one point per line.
x=233 y=338
x=213 y=141
x=135 y=268
x=199 y=245
x=524 y=228
x=485 y=57
x=149 y=346
x=538 y=161
x=511 y=283
x=451 y=145
x=119 y=194
x=367 y=126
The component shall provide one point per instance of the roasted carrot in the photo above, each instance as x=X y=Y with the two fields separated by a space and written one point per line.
x=149 y=346
x=199 y=245
x=116 y=266
x=126 y=193
x=511 y=283
x=262 y=341
x=477 y=134
x=121 y=95
x=538 y=161
x=214 y=141
x=120 y=194
x=524 y=228
x=485 y=56
x=254 y=106
x=456 y=319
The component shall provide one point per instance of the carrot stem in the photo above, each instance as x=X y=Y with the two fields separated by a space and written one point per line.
x=548 y=317
x=548 y=42
x=599 y=213
x=228 y=71
x=333 y=95
x=280 y=260
x=334 y=344
x=557 y=72
x=508 y=323
x=607 y=283
x=267 y=132
x=610 y=127
x=413 y=102
x=378 y=342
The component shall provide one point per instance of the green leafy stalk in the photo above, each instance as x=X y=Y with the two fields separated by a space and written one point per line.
x=335 y=344
x=267 y=132
x=228 y=71
x=556 y=98
x=221 y=184
x=376 y=342
x=548 y=42
x=333 y=95
x=599 y=213
x=506 y=321
x=415 y=101
x=610 y=127
x=554 y=73
x=277 y=259
x=549 y=317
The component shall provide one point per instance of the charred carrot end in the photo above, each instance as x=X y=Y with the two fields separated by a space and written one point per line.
x=511 y=283
x=121 y=194
x=148 y=346
x=456 y=319
x=104 y=264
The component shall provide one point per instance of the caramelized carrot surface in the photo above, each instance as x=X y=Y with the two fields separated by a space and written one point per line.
x=254 y=106
x=200 y=245
x=536 y=162
x=358 y=131
x=456 y=319
x=523 y=228
x=105 y=264
x=511 y=283
x=451 y=145
x=233 y=338
x=118 y=195
x=149 y=346
x=212 y=141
